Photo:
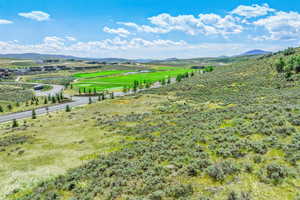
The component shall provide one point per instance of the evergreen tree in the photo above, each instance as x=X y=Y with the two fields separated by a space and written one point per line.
x=68 y=108
x=46 y=101
x=53 y=100
x=9 y=107
x=1 y=109
x=33 y=115
x=169 y=80
x=15 y=123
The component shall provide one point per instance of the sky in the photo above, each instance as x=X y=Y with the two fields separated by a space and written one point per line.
x=148 y=28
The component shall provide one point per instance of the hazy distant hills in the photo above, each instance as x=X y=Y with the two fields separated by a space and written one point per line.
x=37 y=56
x=255 y=52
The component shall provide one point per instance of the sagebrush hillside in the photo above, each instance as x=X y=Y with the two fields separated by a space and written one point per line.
x=230 y=134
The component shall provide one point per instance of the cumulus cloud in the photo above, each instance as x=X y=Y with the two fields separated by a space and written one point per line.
x=53 y=44
x=70 y=38
x=281 y=26
x=36 y=15
x=252 y=11
x=207 y=24
x=119 y=31
x=4 y=21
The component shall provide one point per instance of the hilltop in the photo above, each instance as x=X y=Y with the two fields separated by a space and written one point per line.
x=255 y=52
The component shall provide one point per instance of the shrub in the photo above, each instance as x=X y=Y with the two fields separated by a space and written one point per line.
x=274 y=173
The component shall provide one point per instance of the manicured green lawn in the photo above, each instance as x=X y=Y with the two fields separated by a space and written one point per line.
x=101 y=73
x=115 y=82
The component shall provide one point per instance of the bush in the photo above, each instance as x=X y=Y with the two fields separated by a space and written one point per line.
x=289 y=51
x=274 y=173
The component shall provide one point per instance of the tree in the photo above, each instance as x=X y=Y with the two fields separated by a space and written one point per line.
x=99 y=97
x=95 y=91
x=9 y=107
x=280 y=65
x=178 y=78
x=15 y=123
x=46 y=101
x=68 y=108
x=289 y=51
x=1 y=109
x=18 y=104
x=112 y=95
x=90 y=100
x=33 y=115
x=53 y=100
x=169 y=80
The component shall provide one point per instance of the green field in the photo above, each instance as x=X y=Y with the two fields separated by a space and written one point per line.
x=117 y=82
x=101 y=73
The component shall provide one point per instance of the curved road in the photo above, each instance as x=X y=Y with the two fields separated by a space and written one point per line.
x=56 y=89
x=76 y=101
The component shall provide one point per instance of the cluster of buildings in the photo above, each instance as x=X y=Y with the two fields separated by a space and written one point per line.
x=6 y=72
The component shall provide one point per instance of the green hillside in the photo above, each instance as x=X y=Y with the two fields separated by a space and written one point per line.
x=232 y=134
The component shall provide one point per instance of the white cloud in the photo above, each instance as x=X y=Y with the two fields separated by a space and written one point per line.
x=119 y=31
x=4 y=21
x=207 y=24
x=108 y=47
x=36 y=15
x=252 y=11
x=281 y=26
x=70 y=38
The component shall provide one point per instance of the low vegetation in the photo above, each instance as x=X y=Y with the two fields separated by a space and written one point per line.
x=230 y=134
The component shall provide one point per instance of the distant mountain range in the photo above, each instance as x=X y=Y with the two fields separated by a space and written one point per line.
x=37 y=56
x=255 y=52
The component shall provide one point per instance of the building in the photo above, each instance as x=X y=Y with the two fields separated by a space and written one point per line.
x=198 y=67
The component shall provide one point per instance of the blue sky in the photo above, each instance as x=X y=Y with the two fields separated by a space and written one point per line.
x=147 y=28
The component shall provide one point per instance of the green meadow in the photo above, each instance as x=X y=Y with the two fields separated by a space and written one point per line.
x=116 y=82
x=101 y=73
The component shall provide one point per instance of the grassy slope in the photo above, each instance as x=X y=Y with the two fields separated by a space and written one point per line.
x=242 y=114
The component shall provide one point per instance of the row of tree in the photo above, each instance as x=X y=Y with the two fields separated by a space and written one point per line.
x=58 y=98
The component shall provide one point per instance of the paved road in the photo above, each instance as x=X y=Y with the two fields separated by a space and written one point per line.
x=76 y=101
x=55 y=90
